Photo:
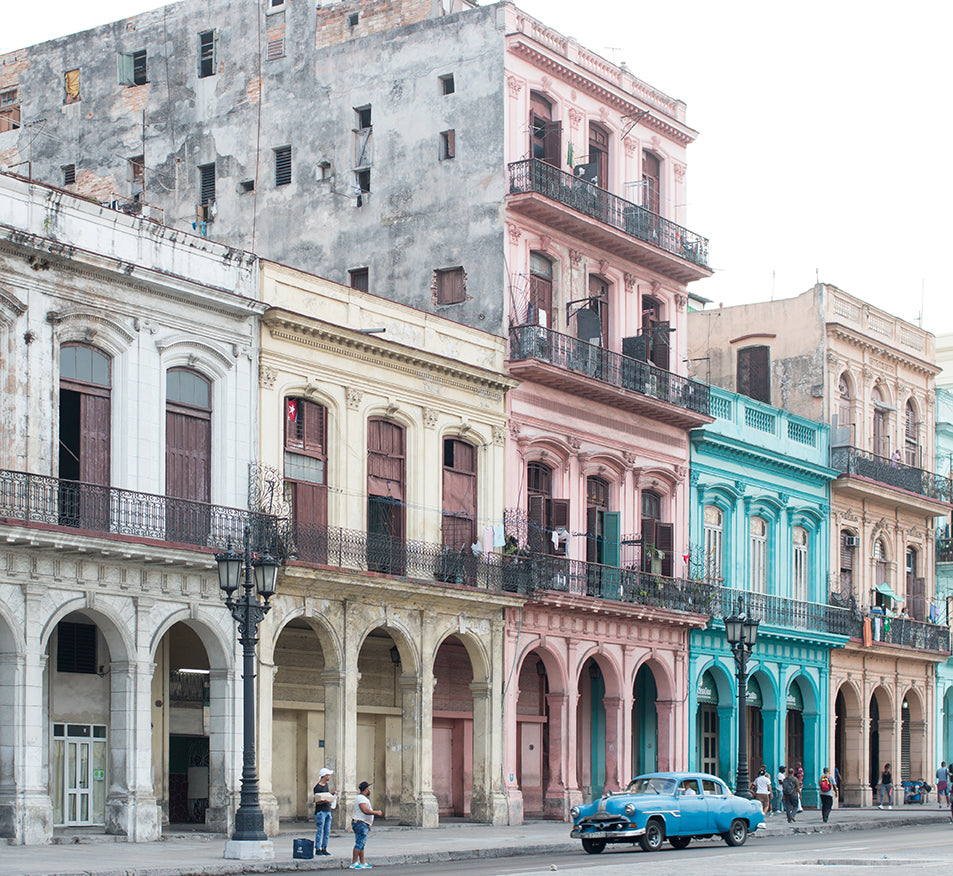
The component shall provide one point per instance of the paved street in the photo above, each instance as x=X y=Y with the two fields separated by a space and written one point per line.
x=922 y=835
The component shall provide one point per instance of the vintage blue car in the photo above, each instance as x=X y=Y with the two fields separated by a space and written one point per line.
x=666 y=806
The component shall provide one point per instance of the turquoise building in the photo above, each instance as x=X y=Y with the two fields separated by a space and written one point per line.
x=759 y=532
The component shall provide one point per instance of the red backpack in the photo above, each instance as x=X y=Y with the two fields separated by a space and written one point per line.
x=825 y=784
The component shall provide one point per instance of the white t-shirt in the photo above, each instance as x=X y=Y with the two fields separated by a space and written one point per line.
x=762 y=785
x=359 y=815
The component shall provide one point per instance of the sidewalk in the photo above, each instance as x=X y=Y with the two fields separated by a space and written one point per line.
x=198 y=853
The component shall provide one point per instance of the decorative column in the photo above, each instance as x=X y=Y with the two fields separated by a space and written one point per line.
x=555 y=799
x=812 y=767
x=266 y=797
x=666 y=717
x=418 y=804
x=613 y=707
x=334 y=694
x=856 y=788
x=573 y=794
x=222 y=751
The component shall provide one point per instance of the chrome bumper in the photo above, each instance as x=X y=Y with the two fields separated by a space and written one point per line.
x=631 y=833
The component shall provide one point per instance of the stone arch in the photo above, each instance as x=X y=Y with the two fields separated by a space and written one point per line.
x=608 y=666
x=664 y=679
x=328 y=637
x=114 y=628
x=200 y=356
x=12 y=640
x=475 y=648
x=556 y=668
x=87 y=325
x=220 y=650
x=403 y=640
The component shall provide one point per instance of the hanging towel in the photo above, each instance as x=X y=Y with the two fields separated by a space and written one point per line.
x=868 y=638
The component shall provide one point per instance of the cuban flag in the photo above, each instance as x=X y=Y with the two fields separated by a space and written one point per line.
x=292 y=410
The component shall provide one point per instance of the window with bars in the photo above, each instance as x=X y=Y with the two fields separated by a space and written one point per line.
x=451 y=286
x=283 y=166
x=206 y=183
x=759 y=555
x=358 y=278
x=207 y=54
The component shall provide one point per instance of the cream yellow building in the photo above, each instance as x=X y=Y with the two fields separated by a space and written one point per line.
x=382 y=438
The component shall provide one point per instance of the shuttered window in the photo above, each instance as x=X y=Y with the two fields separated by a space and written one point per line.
x=386 y=487
x=801 y=572
x=540 y=290
x=459 y=522
x=754 y=373
x=188 y=451
x=283 y=166
x=546 y=514
x=656 y=331
x=451 y=287
x=76 y=648
x=714 y=544
x=206 y=183
x=658 y=538
x=359 y=279
x=758 y=578
x=599 y=153
x=206 y=54
x=9 y=110
x=545 y=134
x=651 y=181
x=132 y=68
x=910 y=436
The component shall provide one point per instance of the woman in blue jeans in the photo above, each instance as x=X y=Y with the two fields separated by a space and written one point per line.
x=362 y=818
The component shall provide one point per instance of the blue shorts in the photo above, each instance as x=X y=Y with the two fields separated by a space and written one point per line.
x=361 y=830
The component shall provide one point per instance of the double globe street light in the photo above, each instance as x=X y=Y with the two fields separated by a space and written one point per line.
x=249 y=839
x=742 y=634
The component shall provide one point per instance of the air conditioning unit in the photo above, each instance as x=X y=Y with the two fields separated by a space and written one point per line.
x=851 y=541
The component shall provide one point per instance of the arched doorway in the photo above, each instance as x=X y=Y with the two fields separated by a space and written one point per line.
x=850 y=758
x=452 y=729
x=591 y=730
x=533 y=743
x=714 y=717
x=755 y=725
x=644 y=722
x=8 y=746
x=881 y=734
x=794 y=726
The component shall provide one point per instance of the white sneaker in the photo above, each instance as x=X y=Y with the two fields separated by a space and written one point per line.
x=880 y=806
x=890 y=807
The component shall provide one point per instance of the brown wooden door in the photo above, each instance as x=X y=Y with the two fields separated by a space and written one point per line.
x=651 y=178
x=385 y=497
x=187 y=476
x=94 y=462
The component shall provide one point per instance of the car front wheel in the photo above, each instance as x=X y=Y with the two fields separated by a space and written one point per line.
x=593 y=847
x=679 y=842
x=654 y=836
x=737 y=833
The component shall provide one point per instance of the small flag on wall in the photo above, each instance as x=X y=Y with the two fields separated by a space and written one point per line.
x=569 y=156
x=292 y=410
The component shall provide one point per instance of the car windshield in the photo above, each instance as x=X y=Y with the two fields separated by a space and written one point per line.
x=651 y=785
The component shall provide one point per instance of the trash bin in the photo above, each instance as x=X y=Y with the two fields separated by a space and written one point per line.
x=303 y=848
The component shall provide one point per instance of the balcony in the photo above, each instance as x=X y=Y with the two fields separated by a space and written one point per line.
x=944 y=550
x=904 y=631
x=863 y=464
x=71 y=505
x=632 y=232
x=779 y=611
x=566 y=363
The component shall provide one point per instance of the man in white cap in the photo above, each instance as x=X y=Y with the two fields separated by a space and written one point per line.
x=324 y=802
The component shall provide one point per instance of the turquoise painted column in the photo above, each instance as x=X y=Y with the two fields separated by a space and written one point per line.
x=597 y=739
x=726 y=744
x=812 y=769
x=772 y=755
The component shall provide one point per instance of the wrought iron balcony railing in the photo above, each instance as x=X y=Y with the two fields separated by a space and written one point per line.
x=581 y=357
x=51 y=501
x=944 y=550
x=779 y=611
x=903 y=631
x=852 y=460
x=533 y=175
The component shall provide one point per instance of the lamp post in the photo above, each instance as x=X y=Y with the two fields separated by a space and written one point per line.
x=742 y=633
x=249 y=612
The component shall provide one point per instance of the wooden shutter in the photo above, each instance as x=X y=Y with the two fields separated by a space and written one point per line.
x=94 y=439
x=593 y=536
x=665 y=542
x=552 y=143
x=188 y=456
x=917 y=595
x=660 y=345
x=537 y=527
x=648 y=543
x=651 y=175
x=459 y=494
x=385 y=459
x=612 y=538
x=540 y=301
x=310 y=504
x=558 y=519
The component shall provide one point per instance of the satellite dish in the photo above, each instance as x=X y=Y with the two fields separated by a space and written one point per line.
x=588 y=324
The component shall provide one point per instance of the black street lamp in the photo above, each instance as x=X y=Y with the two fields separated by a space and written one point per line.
x=249 y=612
x=742 y=634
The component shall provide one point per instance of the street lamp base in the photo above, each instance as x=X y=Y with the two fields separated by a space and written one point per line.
x=250 y=850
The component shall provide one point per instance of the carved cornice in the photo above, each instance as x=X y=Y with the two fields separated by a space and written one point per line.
x=876 y=347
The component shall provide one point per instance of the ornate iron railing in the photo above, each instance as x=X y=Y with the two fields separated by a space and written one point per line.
x=903 y=631
x=779 y=611
x=42 y=499
x=533 y=175
x=564 y=351
x=852 y=460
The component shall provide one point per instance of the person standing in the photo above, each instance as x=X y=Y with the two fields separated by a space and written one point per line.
x=886 y=787
x=778 y=795
x=826 y=788
x=324 y=802
x=789 y=792
x=362 y=817
x=762 y=790
x=942 y=785
x=799 y=775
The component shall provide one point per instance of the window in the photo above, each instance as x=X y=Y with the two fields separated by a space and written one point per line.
x=353 y=18
x=359 y=279
x=305 y=463
x=447 y=145
x=386 y=496
x=592 y=321
x=603 y=527
x=599 y=154
x=137 y=176
x=714 y=544
x=656 y=331
x=801 y=573
x=911 y=436
x=548 y=518
x=71 y=86
x=206 y=183
x=842 y=436
x=446 y=84
x=247 y=185
x=363 y=153
x=916 y=604
x=132 y=68
x=754 y=373
x=848 y=543
x=324 y=171
x=363 y=118
x=451 y=285
x=545 y=134
x=459 y=493
x=759 y=555
x=188 y=451
x=283 y=166
x=9 y=110
x=540 y=290
x=362 y=183
x=880 y=572
x=658 y=538
x=206 y=54
x=651 y=181
x=880 y=443
x=76 y=648
x=275 y=48
x=69 y=174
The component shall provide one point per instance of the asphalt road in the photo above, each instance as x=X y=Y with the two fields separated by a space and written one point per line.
x=915 y=850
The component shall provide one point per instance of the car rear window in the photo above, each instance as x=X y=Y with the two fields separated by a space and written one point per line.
x=713 y=788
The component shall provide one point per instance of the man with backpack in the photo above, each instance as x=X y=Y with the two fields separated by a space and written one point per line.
x=826 y=787
x=789 y=792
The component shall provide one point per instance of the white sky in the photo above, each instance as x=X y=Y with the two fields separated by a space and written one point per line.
x=824 y=129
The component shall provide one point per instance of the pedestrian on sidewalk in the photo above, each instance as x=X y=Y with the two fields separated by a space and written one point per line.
x=942 y=784
x=799 y=775
x=789 y=791
x=762 y=790
x=362 y=818
x=826 y=787
x=778 y=796
x=886 y=788
x=324 y=801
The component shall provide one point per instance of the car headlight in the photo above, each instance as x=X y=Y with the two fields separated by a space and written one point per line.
x=630 y=809
x=574 y=813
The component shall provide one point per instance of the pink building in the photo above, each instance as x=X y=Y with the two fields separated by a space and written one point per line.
x=597 y=464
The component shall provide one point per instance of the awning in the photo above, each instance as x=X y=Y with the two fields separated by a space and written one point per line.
x=885 y=590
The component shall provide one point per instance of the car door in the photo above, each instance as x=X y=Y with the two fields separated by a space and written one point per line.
x=720 y=811
x=693 y=807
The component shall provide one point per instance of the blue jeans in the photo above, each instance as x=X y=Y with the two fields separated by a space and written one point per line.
x=361 y=830
x=322 y=824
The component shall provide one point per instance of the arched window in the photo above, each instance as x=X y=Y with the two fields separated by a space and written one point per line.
x=545 y=134
x=459 y=493
x=188 y=449
x=386 y=496
x=658 y=538
x=801 y=576
x=84 y=445
x=759 y=555
x=655 y=330
x=597 y=506
x=916 y=586
x=306 y=477
x=548 y=518
x=880 y=572
x=911 y=436
x=879 y=436
x=540 y=290
x=714 y=544
x=599 y=153
x=651 y=181
x=843 y=436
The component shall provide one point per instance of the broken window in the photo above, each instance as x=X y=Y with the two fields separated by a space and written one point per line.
x=459 y=493
x=358 y=279
x=283 y=166
x=188 y=449
x=451 y=286
x=69 y=174
x=446 y=84
x=132 y=68
x=9 y=110
x=305 y=470
x=362 y=185
x=386 y=496
x=754 y=373
x=207 y=54
x=447 y=144
x=363 y=154
x=71 y=84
